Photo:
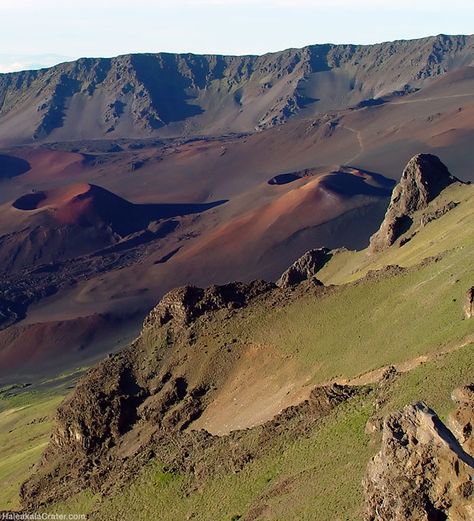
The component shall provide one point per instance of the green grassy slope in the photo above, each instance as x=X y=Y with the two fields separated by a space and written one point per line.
x=377 y=321
x=315 y=478
x=25 y=424
x=452 y=230
x=385 y=318
x=26 y=418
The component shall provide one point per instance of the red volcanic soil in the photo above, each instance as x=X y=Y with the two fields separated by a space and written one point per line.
x=23 y=169
x=256 y=235
x=52 y=198
x=55 y=225
x=282 y=197
x=50 y=346
x=51 y=164
x=80 y=204
x=89 y=205
x=300 y=214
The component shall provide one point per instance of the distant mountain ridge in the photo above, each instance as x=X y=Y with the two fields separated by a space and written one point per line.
x=142 y=95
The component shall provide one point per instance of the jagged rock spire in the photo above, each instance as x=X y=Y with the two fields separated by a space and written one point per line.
x=423 y=179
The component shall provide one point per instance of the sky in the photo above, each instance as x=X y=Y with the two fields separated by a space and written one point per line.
x=39 y=33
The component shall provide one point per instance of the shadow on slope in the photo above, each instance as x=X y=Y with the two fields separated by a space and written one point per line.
x=349 y=181
x=89 y=205
x=11 y=166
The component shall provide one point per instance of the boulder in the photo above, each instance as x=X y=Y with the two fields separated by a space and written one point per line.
x=305 y=268
x=423 y=179
x=422 y=472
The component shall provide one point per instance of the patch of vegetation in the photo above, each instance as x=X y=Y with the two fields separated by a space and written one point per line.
x=451 y=231
x=26 y=419
x=316 y=477
x=25 y=426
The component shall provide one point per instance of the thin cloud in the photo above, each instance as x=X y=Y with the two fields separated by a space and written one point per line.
x=9 y=63
x=7 y=5
x=13 y=67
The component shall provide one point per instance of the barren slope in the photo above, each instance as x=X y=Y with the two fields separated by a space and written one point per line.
x=167 y=94
x=336 y=169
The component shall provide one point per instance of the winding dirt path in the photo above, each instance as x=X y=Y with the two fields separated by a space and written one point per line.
x=360 y=141
x=405 y=102
x=376 y=375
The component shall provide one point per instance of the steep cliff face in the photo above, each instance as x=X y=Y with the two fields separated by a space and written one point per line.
x=423 y=179
x=171 y=94
x=422 y=471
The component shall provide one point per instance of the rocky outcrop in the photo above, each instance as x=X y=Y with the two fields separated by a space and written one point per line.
x=326 y=398
x=132 y=384
x=428 y=217
x=461 y=421
x=423 y=179
x=422 y=472
x=186 y=304
x=143 y=396
x=305 y=268
x=469 y=303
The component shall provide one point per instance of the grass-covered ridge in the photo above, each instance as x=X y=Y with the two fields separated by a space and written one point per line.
x=370 y=320
x=317 y=477
x=373 y=319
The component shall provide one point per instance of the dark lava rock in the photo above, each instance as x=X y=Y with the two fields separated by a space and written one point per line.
x=371 y=102
x=432 y=216
x=136 y=165
x=186 y=304
x=423 y=179
x=305 y=268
